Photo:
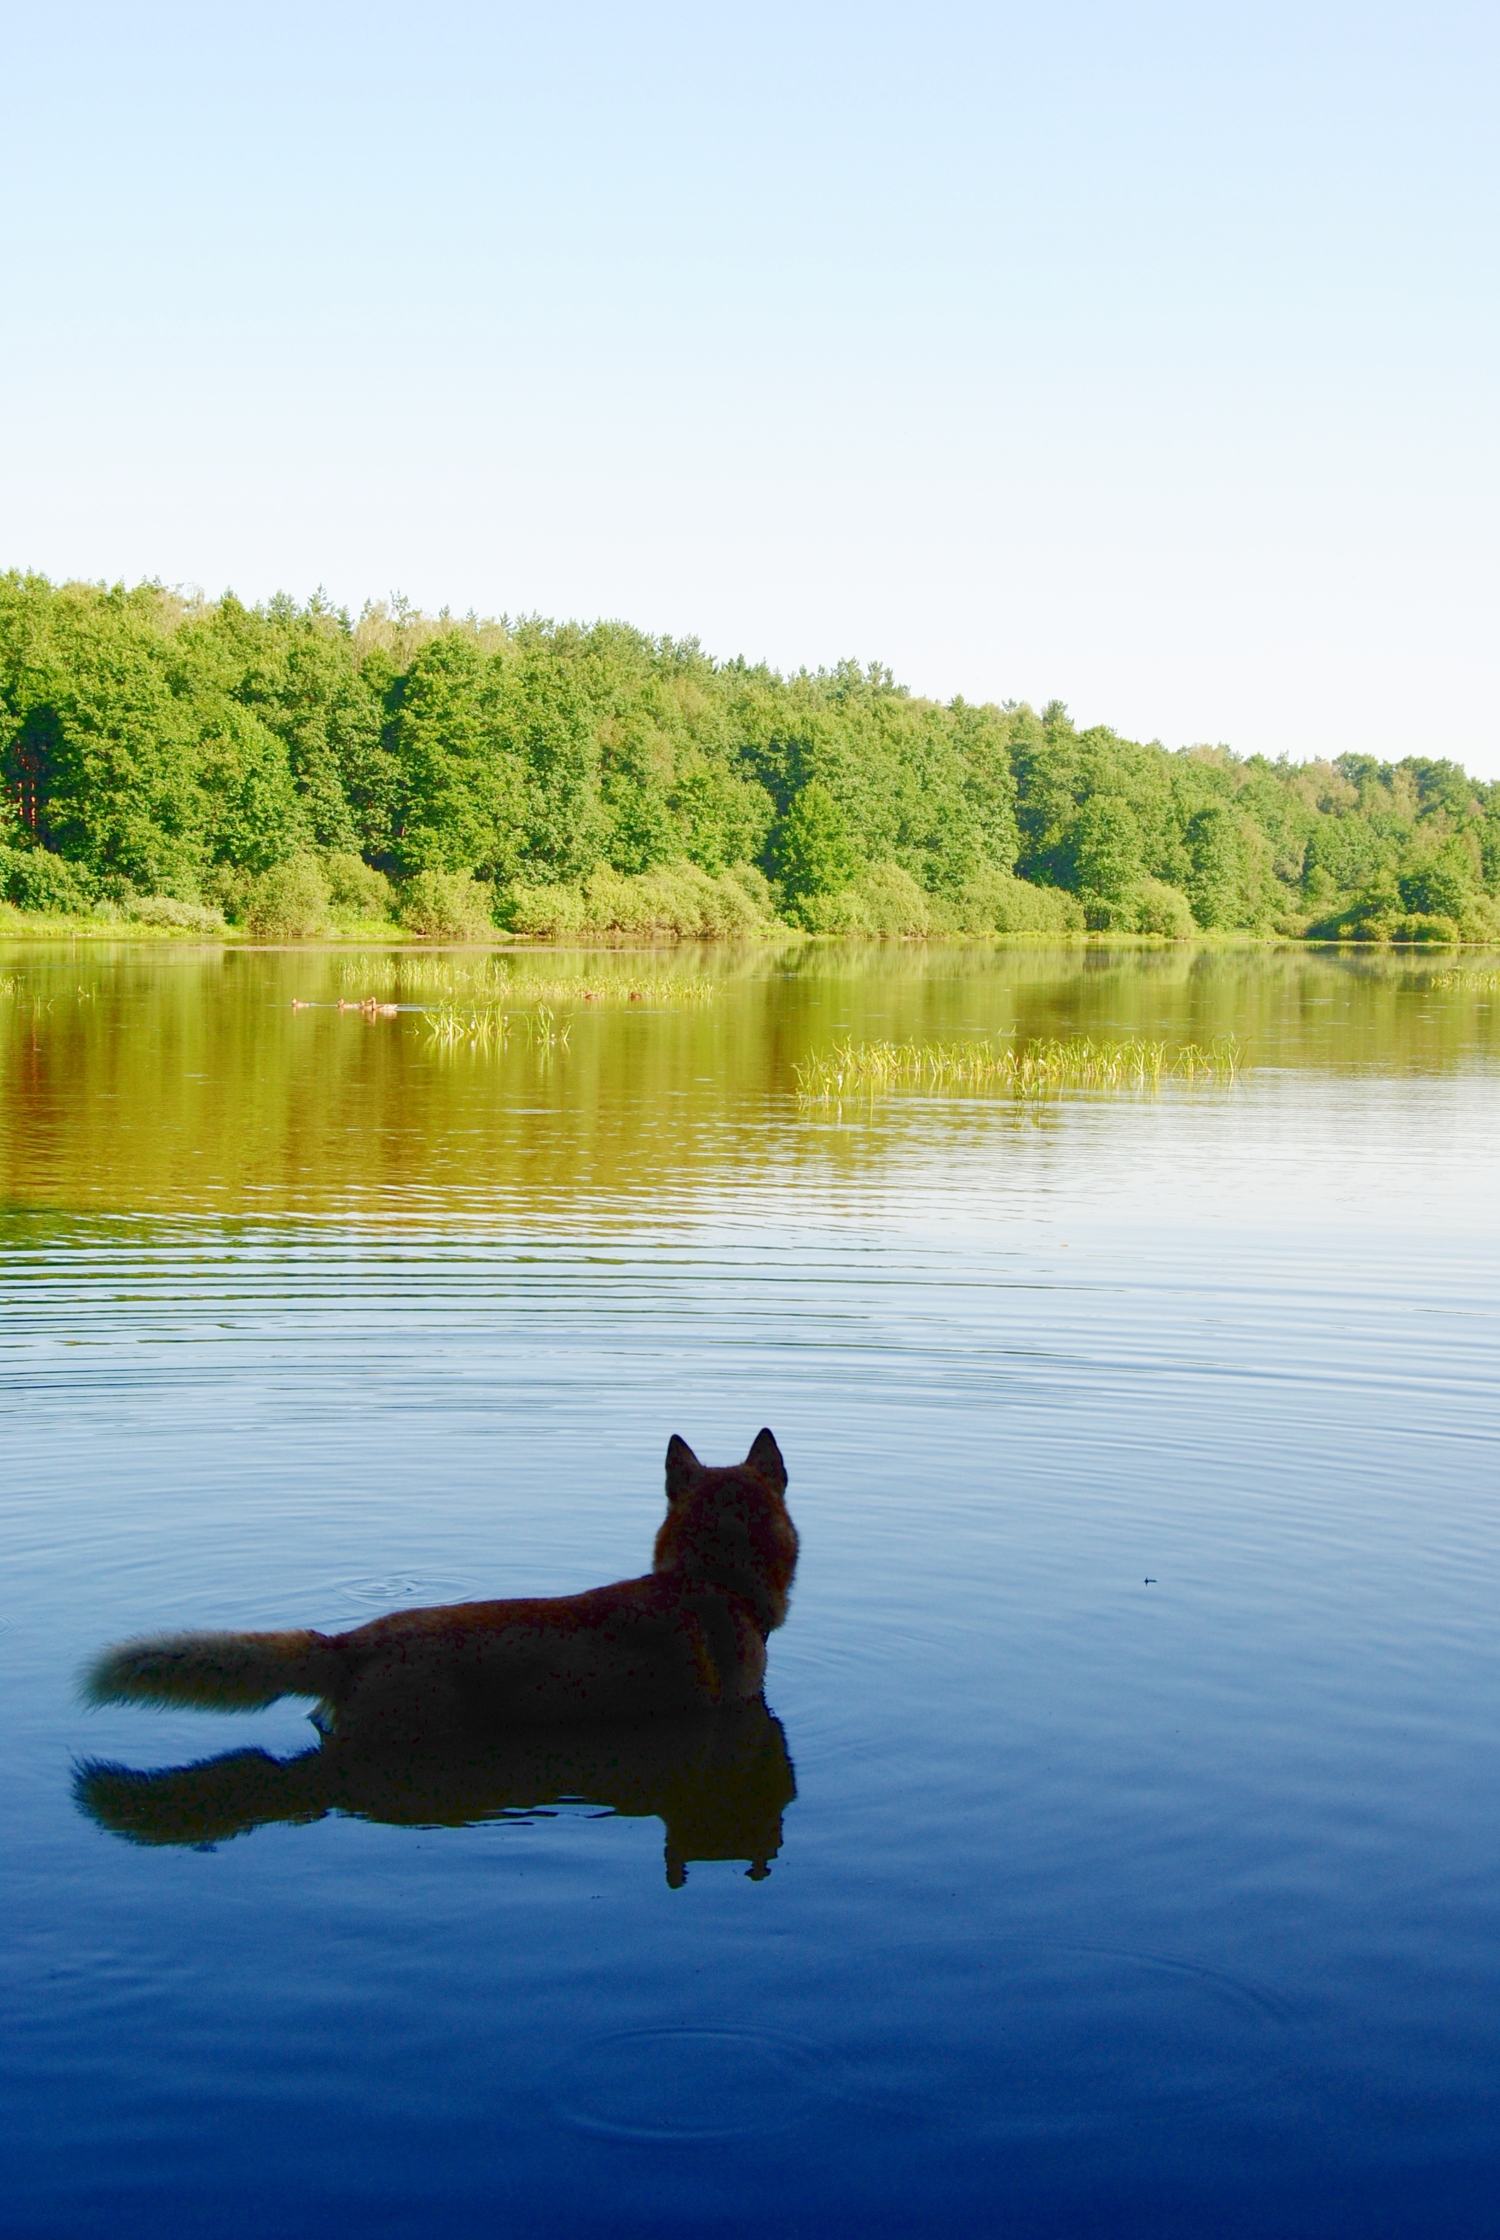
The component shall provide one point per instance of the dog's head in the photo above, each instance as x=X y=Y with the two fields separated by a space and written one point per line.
x=730 y=1528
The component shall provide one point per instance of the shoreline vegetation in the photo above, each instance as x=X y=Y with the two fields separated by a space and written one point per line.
x=177 y=768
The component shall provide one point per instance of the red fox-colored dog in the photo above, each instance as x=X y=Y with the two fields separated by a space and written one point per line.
x=689 y=1635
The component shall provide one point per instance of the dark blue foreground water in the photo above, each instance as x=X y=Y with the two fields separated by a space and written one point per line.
x=1141 y=1694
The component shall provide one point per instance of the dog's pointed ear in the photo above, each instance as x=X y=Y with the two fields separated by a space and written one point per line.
x=683 y=1467
x=765 y=1456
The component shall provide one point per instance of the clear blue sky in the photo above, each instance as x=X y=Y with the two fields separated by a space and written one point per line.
x=1144 y=356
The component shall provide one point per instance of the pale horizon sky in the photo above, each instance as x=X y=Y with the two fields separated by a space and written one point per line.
x=1138 y=356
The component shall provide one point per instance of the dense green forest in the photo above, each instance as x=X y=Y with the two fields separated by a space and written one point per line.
x=289 y=769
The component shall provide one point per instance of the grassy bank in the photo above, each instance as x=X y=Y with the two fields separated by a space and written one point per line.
x=190 y=924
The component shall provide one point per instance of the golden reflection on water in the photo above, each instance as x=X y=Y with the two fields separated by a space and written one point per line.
x=171 y=1080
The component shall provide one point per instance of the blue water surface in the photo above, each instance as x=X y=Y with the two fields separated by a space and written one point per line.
x=1141 y=1691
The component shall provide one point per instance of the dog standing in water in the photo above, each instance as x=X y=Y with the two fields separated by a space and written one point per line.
x=688 y=1636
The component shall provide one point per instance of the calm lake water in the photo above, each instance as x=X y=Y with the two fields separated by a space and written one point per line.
x=1130 y=1789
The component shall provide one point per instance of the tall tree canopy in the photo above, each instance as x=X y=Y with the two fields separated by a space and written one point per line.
x=153 y=745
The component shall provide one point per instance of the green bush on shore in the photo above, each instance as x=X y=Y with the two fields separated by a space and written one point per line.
x=289 y=901
x=447 y=904
x=356 y=889
x=1391 y=911
x=166 y=910
x=887 y=901
x=679 y=900
x=1146 y=906
x=36 y=880
x=998 y=902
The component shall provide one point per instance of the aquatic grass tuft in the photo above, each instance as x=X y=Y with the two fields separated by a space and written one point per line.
x=452 y=1026
x=1039 y=1068
x=495 y=980
x=1467 y=983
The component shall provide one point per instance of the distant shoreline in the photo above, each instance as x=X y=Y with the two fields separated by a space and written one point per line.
x=17 y=925
x=292 y=772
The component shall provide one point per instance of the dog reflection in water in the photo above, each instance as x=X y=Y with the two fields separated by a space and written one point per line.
x=643 y=1696
x=718 y=1780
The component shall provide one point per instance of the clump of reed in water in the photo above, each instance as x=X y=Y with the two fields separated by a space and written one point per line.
x=1470 y=983
x=1040 y=1068
x=451 y=1024
x=490 y=980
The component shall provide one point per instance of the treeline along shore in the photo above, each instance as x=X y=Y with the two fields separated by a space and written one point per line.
x=200 y=764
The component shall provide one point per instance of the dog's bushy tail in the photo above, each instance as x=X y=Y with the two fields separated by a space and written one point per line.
x=215 y=1671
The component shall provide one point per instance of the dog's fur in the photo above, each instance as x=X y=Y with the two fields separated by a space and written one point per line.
x=689 y=1636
